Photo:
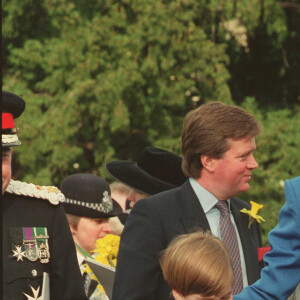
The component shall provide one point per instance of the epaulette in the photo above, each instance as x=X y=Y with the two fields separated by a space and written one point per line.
x=50 y=193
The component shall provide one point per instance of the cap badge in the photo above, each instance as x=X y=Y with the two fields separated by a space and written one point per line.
x=107 y=202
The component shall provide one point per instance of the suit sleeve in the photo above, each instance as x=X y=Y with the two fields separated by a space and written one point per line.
x=66 y=282
x=281 y=275
x=138 y=271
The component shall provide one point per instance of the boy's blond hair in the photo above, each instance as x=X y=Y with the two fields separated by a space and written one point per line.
x=197 y=263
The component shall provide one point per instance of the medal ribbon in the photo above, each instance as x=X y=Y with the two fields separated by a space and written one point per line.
x=30 y=243
x=41 y=236
x=16 y=236
x=42 y=242
x=16 y=239
x=28 y=237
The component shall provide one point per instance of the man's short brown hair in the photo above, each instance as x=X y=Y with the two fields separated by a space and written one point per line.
x=197 y=263
x=206 y=131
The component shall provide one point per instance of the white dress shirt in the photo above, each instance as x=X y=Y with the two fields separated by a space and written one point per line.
x=208 y=202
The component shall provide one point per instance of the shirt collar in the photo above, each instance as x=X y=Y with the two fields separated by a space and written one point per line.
x=207 y=199
x=80 y=257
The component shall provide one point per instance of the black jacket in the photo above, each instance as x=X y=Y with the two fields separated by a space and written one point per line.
x=152 y=224
x=65 y=278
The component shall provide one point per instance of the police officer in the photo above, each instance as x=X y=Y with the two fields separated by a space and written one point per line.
x=39 y=258
x=88 y=206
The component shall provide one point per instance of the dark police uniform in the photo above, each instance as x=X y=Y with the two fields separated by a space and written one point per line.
x=37 y=240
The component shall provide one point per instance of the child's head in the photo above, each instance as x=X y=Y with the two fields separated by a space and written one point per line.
x=197 y=265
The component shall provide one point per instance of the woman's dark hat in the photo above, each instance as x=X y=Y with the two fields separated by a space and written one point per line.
x=157 y=170
x=88 y=196
x=12 y=107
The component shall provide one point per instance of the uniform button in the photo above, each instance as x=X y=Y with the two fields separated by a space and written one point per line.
x=34 y=273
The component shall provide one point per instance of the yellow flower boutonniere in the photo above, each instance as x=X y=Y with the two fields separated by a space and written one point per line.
x=253 y=216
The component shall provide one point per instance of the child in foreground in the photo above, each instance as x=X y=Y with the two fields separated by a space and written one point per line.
x=197 y=266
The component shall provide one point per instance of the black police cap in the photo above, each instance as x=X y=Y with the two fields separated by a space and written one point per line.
x=89 y=196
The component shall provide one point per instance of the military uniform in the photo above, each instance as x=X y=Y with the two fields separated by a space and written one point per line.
x=38 y=246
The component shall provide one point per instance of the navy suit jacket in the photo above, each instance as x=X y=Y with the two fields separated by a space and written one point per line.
x=150 y=227
x=282 y=272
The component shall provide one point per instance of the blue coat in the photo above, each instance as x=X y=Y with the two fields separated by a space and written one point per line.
x=282 y=272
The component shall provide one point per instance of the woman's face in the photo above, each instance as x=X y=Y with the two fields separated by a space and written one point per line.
x=88 y=231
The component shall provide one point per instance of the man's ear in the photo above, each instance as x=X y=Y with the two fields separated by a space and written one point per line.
x=176 y=295
x=208 y=163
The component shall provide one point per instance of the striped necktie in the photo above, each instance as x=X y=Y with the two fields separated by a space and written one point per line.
x=229 y=238
x=90 y=284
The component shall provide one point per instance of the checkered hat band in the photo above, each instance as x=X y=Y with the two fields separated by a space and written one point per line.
x=105 y=208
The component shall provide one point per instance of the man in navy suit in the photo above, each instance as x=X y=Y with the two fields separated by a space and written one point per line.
x=218 y=142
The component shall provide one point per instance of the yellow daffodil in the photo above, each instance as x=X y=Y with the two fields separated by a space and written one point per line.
x=107 y=250
x=253 y=216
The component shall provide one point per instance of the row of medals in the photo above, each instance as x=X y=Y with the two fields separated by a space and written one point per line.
x=32 y=253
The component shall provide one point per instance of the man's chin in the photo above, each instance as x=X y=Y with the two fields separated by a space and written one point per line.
x=245 y=187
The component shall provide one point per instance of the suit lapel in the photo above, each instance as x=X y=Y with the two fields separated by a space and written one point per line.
x=193 y=216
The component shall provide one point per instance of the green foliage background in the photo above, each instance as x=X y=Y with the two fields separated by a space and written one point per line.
x=103 y=79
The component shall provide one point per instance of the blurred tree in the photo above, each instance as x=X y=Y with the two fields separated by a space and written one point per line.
x=117 y=69
x=267 y=65
x=104 y=78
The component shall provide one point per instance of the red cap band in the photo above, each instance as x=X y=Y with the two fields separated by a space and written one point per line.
x=7 y=121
